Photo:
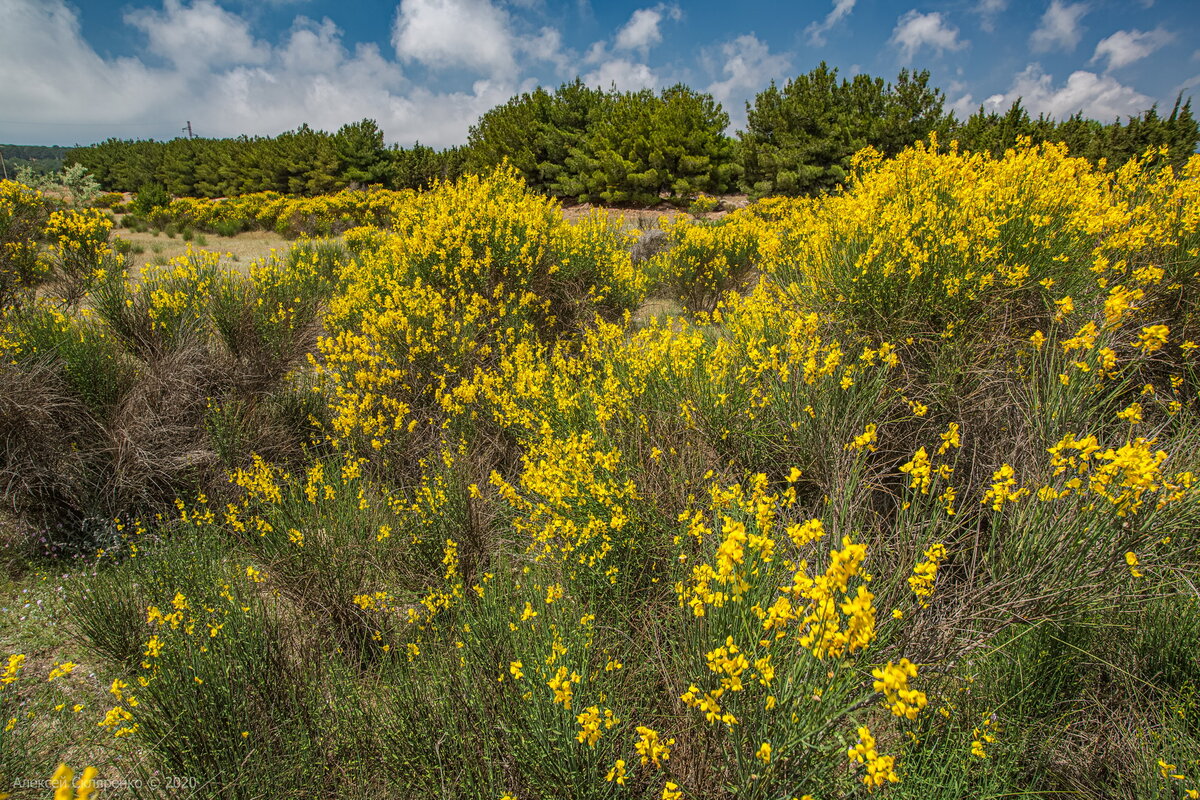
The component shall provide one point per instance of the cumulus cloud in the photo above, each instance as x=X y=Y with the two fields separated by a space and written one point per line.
x=1101 y=97
x=455 y=33
x=915 y=30
x=624 y=74
x=748 y=66
x=51 y=74
x=988 y=10
x=1126 y=47
x=199 y=35
x=64 y=91
x=817 y=30
x=616 y=66
x=1059 y=27
x=642 y=32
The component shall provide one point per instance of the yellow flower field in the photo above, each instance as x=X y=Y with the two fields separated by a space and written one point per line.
x=902 y=501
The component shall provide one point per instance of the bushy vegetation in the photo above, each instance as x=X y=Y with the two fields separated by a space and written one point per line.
x=300 y=162
x=903 y=501
x=636 y=148
x=612 y=147
x=290 y=216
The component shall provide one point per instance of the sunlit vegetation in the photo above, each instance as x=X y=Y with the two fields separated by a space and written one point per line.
x=900 y=498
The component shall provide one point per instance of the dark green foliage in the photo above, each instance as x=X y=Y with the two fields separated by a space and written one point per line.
x=800 y=138
x=361 y=154
x=42 y=160
x=614 y=147
x=150 y=197
x=299 y=162
x=535 y=133
x=634 y=148
x=1115 y=142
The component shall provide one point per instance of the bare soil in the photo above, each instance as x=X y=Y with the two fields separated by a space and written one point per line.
x=240 y=249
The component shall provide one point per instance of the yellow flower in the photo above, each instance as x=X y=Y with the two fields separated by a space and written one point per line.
x=61 y=669
x=1065 y=306
x=617 y=773
x=651 y=747
x=1131 y=414
x=1152 y=338
x=866 y=439
x=12 y=669
x=880 y=769
x=764 y=753
x=892 y=681
x=1001 y=491
x=925 y=573
x=561 y=685
x=589 y=723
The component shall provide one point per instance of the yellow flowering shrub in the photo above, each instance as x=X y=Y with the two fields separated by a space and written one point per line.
x=23 y=216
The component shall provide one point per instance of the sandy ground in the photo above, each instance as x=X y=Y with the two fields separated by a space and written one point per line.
x=241 y=249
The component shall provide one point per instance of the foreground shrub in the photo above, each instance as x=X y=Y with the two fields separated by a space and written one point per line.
x=876 y=523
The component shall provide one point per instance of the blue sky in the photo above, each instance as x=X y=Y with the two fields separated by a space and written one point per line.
x=82 y=71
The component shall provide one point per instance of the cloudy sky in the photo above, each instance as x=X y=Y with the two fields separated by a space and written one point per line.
x=79 y=71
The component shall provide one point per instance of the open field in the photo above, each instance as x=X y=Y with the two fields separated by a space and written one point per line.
x=887 y=493
x=240 y=249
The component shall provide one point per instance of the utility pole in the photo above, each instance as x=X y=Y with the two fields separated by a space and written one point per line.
x=3 y=166
x=189 y=129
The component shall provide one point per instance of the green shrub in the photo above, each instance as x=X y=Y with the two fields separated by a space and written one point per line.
x=150 y=197
x=109 y=200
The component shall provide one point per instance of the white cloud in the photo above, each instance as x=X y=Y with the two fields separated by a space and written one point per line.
x=312 y=47
x=455 y=33
x=748 y=67
x=988 y=10
x=1059 y=27
x=624 y=74
x=641 y=31
x=1101 y=97
x=960 y=100
x=196 y=36
x=817 y=30
x=1126 y=47
x=613 y=67
x=963 y=106
x=915 y=30
x=64 y=91
x=53 y=77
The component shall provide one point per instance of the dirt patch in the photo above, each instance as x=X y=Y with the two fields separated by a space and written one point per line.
x=241 y=249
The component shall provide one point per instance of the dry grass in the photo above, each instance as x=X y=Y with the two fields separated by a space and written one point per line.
x=240 y=249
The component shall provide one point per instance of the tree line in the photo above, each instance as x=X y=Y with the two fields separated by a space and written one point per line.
x=41 y=159
x=301 y=162
x=637 y=148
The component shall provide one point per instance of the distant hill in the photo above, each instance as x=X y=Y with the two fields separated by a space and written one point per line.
x=39 y=158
